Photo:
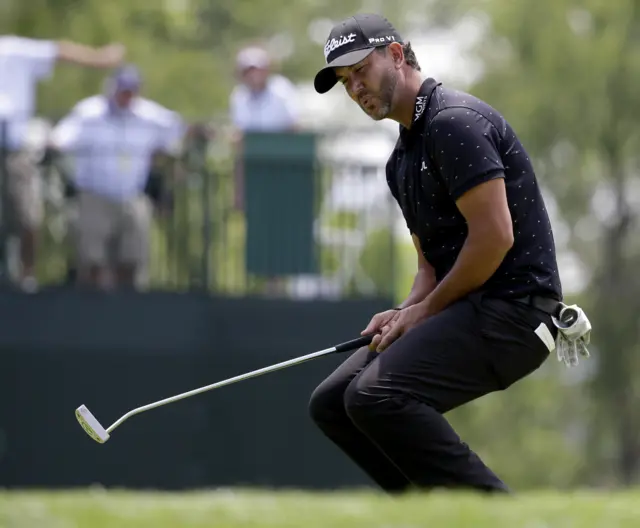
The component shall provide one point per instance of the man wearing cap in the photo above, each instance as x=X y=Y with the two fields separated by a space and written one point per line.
x=262 y=101
x=23 y=63
x=113 y=139
x=479 y=315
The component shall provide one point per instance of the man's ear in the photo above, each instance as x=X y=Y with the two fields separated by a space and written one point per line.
x=397 y=54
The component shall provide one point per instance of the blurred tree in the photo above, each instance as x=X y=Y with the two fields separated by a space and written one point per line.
x=185 y=79
x=529 y=435
x=187 y=48
x=295 y=32
x=565 y=73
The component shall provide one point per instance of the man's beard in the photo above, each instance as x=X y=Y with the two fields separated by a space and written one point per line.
x=385 y=97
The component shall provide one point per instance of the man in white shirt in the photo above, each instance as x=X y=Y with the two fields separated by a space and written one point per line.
x=23 y=63
x=263 y=101
x=113 y=138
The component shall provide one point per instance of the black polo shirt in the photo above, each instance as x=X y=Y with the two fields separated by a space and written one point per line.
x=456 y=142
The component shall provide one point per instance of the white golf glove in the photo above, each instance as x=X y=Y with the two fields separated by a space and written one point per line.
x=574 y=334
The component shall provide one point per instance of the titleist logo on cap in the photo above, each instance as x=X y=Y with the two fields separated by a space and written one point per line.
x=334 y=44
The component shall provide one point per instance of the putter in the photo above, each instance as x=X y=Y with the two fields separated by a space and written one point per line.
x=96 y=431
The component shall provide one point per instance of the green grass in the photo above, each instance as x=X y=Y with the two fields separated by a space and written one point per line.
x=235 y=508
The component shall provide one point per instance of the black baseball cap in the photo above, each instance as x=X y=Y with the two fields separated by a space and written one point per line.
x=351 y=41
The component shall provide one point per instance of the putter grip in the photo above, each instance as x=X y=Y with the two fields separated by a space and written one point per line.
x=354 y=343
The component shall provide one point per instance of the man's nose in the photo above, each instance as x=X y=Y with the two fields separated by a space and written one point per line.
x=356 y=87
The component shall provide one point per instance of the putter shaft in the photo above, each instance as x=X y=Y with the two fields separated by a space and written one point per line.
x=93 y=428
x=222 y=383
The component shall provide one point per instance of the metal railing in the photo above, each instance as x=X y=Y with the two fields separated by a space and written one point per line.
x=199 y=243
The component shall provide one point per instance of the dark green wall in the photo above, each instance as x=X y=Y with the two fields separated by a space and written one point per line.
x=116 y=352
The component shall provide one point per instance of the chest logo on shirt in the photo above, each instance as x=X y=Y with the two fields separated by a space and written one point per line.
x=424 y=167
x=420 y=106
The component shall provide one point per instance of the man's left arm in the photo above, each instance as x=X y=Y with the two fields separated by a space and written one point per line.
x=489 y=239
x=166 y=157
x=466 y=151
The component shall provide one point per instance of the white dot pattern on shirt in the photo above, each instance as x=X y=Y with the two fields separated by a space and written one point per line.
x=522 y=206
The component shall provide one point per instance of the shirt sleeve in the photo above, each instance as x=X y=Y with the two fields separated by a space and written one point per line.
x=466 y=149
x=67 y=135
x=392 y=182
x=171 y=133
x=235 y=109
x=291 y=102
x=40 y=55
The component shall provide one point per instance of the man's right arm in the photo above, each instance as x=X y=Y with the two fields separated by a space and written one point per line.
x=109 y=56
x=424 y=281
x=423 y=284
x=68 y=133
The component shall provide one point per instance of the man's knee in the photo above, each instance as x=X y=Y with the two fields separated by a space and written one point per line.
x=360 y=402
x=365 y=402
x=326 y=404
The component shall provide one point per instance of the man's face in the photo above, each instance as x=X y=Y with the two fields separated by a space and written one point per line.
x=255 y=78
x=123 y=98
x=371 y=83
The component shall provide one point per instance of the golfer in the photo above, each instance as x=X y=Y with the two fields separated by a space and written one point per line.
x=478 y=317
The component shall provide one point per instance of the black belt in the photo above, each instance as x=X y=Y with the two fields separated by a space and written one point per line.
x=546 y=304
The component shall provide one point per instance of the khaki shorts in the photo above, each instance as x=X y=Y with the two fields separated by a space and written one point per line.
x=109 y=232
x=25 y=208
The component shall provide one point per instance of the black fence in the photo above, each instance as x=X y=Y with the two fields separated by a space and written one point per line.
x=277 y=218
x=116 y=351
x=312 y=232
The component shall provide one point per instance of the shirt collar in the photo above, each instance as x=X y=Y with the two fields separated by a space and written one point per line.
x=114 y=110
x=423 y=99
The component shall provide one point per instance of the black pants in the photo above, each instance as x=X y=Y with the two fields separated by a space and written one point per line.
x=385 y=411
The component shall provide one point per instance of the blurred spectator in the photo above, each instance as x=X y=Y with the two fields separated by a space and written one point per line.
x=23 y=63
x=263 y=101
x=115 y=140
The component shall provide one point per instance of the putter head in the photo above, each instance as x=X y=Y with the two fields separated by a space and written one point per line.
x=91 y=426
